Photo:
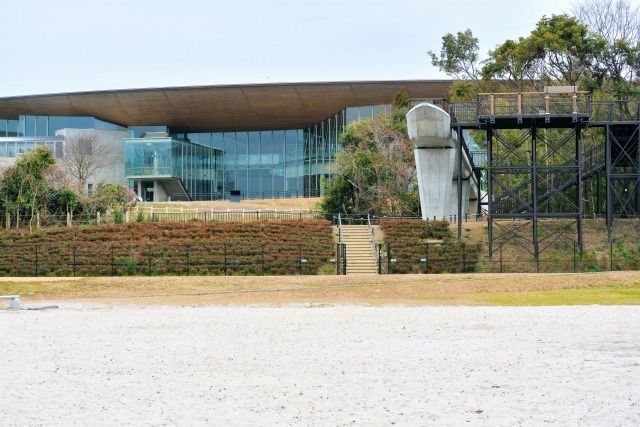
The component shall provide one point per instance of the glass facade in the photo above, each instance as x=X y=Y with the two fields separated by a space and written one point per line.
x=282 y=163
x=260 y=164
x=198 y=168
x=18 y=136
x=16 y=146
x=29 y=126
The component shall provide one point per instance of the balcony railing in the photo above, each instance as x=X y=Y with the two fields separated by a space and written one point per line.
x=541 y=104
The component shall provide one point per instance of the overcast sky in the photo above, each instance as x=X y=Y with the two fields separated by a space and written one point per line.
x=75 y=45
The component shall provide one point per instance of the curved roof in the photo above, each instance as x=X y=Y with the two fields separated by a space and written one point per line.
x=228 y=107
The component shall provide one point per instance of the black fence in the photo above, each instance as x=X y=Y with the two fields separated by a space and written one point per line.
x=436 y=257
x=462 y=257
x=117 y=259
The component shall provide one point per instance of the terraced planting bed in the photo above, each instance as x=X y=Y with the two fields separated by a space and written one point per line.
x=414 y=246
x=282 y=248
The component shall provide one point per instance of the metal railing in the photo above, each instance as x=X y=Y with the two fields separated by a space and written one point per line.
x=339 y=224
x=372 y=239
x=544 y=104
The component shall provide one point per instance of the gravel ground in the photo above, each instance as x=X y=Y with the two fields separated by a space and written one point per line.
x=89 y=364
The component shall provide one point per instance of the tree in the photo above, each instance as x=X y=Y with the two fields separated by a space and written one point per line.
x=617 y=22
x=514 y=62
x=613 y=20
x=375 y=171
x=458 y=56
x=84 y=155
x=567 y=49
x=23 y=186
x=111 y=196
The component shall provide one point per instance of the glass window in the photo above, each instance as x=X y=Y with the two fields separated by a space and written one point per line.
x=266 y=184
x=242 y=157
x=230 y=153
x=278 y=148
x=11 y=149
x=12 y=127
x=253 y=181
x=266 y=148
x=42 y=125
x=217 y=141
x=351 y=114
x=29 y=126
x=254 y=150
x=278 y=182
x=241 y=181
x=366 y=112
x=3 y=128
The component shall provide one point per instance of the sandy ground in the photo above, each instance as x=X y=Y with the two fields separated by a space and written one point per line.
x=88 y=364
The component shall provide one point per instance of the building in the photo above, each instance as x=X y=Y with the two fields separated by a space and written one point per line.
x=205 y=142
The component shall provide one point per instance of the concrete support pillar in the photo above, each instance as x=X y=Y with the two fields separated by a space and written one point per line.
x=435 y=173
x=437 y=163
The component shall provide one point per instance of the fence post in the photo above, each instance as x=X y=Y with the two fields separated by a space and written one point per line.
x=148 y=259
x=344 y=259
x=501 y=259
x=262 y=260
x=187 y=255
x=464 y=257
x=113 y=266
x=74 y=260
x=611 y=255
x=225 y=259
x=389 y=269
x=36 y=253
x=379 y=246
x=574 y=258
x=338 y=259
x=426 y=258
x=98 y=217
x=300 y=259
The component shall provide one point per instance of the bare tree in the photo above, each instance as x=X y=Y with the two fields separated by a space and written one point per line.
x=83 y=156
x=618 y=23
x=612 y=19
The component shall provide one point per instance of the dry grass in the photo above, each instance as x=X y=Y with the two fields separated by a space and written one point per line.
x=445 y=289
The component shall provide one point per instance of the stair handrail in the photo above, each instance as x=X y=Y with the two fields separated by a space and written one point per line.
x=340 y=236
x=372 y=240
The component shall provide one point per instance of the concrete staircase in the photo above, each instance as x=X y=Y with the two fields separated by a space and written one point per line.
x=360 y=255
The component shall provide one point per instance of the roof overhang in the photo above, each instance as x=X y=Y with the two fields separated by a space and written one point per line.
x=223 y=108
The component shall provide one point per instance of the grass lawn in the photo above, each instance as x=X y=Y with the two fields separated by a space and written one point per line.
x=437 y=289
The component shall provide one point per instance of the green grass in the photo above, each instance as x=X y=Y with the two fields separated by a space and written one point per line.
x=605 y=295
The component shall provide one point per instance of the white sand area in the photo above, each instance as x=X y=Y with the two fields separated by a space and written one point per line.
x=342 y=365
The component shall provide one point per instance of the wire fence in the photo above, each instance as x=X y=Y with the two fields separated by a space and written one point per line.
x=464 y=257
x=117 y=259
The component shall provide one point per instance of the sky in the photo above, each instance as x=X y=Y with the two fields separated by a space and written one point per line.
x=81 y=45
